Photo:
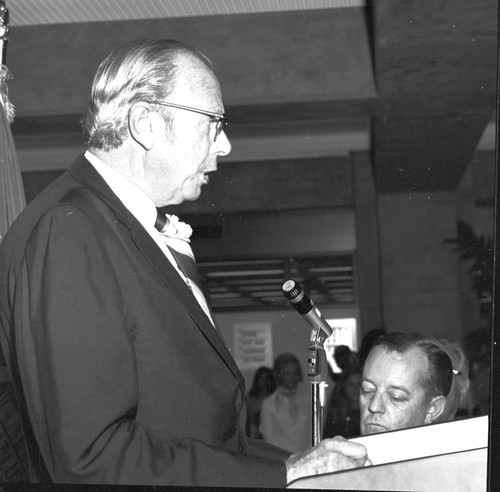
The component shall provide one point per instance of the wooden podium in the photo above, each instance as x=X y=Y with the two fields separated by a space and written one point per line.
x=451 y=456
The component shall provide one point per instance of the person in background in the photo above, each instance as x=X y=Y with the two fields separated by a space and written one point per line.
x=342 y=409
x=285 y=417
x=121 y=373
x=406 y=380
x=477 y=346
x=263 y=385
x=345 y=358
x=456 y=401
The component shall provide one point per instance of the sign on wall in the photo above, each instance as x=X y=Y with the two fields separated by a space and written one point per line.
x=253 y=345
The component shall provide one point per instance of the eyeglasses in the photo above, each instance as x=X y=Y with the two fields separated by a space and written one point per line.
x=221 y=119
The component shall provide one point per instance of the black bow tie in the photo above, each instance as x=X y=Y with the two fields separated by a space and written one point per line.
x=160 y=221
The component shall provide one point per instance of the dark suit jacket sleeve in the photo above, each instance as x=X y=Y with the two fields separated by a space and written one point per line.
x=257 y=447
x=79 y=373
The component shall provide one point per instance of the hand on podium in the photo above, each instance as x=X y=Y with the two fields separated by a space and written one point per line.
x=330 y=455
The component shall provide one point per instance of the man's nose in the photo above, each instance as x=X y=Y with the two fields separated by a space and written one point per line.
x=377 y=404
x=222 y=145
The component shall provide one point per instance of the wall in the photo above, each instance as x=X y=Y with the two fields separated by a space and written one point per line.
x=271 y=235
x=419 y=271
x=275 y=185
x=367 y=264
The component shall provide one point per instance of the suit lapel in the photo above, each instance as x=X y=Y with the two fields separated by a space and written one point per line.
x=86 y=174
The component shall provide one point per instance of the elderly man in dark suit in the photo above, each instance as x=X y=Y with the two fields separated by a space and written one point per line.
x=121 y=373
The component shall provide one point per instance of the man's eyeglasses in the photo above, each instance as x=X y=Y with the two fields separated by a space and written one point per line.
x=220 y=119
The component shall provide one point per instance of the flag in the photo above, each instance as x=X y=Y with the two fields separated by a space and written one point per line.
x=13 y=457
x=12 y=199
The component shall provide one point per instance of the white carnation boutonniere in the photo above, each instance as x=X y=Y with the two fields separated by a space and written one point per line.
x=177 y=229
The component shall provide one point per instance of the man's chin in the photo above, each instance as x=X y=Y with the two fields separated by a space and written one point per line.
x=192 y=195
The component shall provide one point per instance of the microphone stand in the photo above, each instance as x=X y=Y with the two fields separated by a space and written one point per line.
x=320 y=332
x=316 y=360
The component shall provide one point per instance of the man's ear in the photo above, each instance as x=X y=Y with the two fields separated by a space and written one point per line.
x=140 y=125
x=434 y=409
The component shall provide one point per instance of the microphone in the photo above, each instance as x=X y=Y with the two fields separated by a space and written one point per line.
x=306 y=307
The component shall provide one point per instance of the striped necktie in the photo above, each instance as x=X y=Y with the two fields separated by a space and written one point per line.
x=184 y=257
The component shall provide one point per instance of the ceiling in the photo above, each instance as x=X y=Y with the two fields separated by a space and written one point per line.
x=37 y=12
x=256 y=283
x=412 y=82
